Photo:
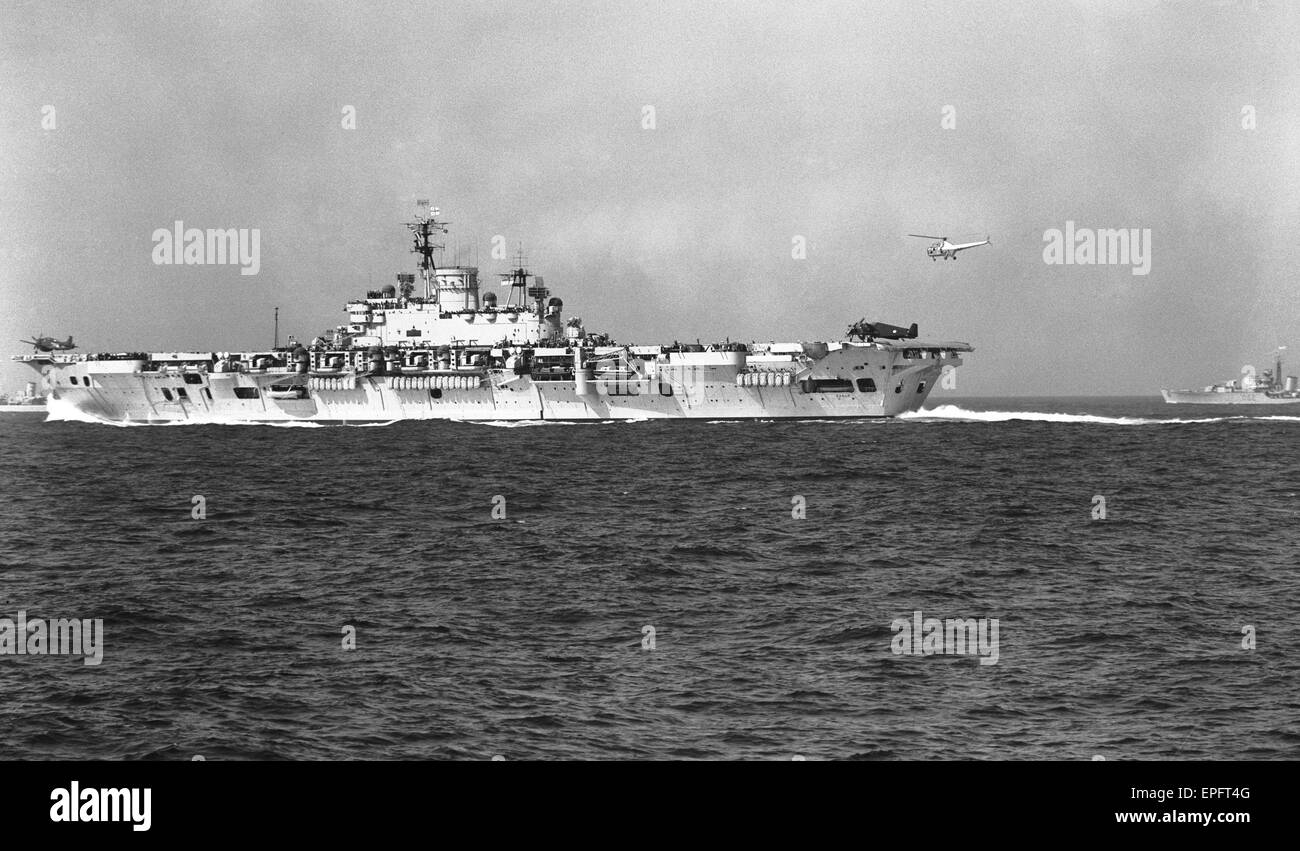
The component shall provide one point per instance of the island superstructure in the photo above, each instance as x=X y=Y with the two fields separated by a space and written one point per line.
x=449 y=350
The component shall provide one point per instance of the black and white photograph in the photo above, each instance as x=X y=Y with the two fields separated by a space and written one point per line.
x=894 y=383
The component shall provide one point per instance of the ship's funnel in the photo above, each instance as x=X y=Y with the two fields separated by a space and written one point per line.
x=457 y=288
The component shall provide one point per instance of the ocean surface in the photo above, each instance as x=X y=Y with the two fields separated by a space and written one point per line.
x=524 y=636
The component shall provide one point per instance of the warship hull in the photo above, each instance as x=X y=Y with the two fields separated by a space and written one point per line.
x=880 y=379
x=1229 y=397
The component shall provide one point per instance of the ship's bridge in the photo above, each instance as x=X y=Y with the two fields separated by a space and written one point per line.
x=457 y=313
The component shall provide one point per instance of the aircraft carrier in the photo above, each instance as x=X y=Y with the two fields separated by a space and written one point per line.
x=454 y=351
x=1269 y=389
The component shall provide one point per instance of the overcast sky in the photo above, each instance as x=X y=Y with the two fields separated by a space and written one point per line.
x=525 y=120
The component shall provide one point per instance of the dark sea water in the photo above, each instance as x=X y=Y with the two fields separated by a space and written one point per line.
x=522 y=637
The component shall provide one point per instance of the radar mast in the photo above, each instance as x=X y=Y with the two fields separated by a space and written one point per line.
x=520 y=287
x=425 y=226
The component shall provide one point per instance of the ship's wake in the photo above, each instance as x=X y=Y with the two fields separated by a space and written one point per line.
x=953 y=413
x=60 y=410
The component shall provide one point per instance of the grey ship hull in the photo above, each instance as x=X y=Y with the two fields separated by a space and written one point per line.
x=880 y=379
x=1228 y=397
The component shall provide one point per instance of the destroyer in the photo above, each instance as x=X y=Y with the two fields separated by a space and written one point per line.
x=1270 y=389
x=454 y=352
x=27 y=402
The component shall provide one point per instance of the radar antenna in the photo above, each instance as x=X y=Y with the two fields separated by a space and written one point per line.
x=424 y=227
x=518 y=281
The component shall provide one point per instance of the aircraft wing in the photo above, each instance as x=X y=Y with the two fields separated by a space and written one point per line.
x=951 y=345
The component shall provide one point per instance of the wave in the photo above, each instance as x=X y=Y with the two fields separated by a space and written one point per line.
x=63 y=411
x=957 y=414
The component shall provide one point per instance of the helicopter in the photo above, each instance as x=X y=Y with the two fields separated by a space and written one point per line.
x=948 y=250
x=49 y=344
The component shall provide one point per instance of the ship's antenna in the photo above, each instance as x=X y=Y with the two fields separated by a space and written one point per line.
x=275 y=342
x=517 y=278
x=424 y=227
